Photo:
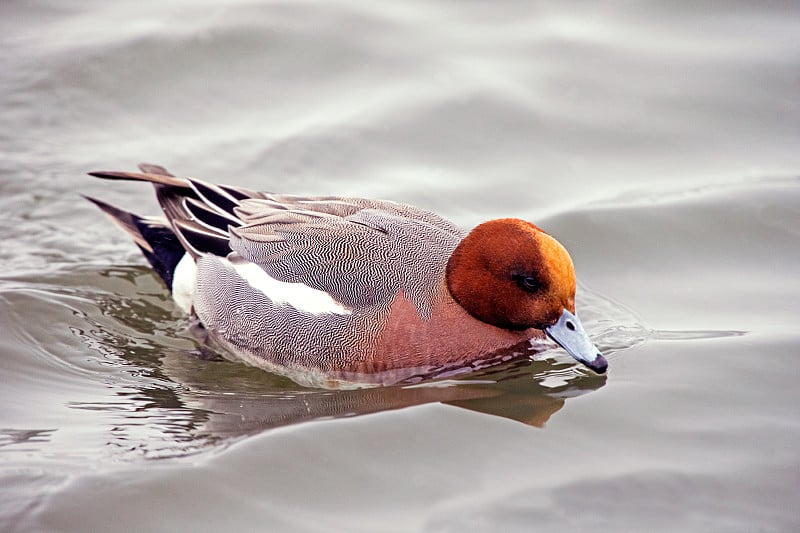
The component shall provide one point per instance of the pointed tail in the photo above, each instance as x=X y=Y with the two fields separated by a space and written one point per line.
x=153 y=236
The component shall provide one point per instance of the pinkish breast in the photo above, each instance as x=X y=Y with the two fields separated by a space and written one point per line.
x=450 y=337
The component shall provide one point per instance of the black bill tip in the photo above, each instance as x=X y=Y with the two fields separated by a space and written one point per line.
x=599 y=365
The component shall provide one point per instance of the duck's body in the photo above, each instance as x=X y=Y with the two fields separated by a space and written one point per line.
x=332 y=291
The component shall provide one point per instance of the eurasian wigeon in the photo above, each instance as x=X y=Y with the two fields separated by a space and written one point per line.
x=335 y=291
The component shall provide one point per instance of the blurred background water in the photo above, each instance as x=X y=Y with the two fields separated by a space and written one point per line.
x=658 y=141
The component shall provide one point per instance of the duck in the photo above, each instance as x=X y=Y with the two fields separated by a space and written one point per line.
x=345 y=292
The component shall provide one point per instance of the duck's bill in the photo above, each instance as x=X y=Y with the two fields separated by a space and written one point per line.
x=570 y=335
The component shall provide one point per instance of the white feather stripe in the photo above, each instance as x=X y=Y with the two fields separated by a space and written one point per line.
x=183 y=283
x=302 y=297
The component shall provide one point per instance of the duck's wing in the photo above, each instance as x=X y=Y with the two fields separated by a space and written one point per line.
x=361 y=256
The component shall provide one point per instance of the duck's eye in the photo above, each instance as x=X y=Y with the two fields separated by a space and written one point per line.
x=528 y=283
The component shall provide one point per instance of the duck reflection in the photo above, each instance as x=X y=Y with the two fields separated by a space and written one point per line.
x=246 y=400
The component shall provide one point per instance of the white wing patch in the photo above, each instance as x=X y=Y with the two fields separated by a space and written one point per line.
x=183 y=282
x=298 y=295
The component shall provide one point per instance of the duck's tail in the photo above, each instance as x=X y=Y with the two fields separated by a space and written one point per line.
x=153 y=236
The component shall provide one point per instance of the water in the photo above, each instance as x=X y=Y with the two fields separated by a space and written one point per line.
x=659 y=143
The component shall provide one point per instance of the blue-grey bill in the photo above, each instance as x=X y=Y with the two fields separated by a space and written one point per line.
x=570 y=335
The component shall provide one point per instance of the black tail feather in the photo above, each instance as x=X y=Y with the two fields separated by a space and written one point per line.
x=167 y=251
x=159 y=244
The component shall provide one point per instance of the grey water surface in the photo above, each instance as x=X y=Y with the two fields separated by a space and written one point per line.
x=659 y=141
